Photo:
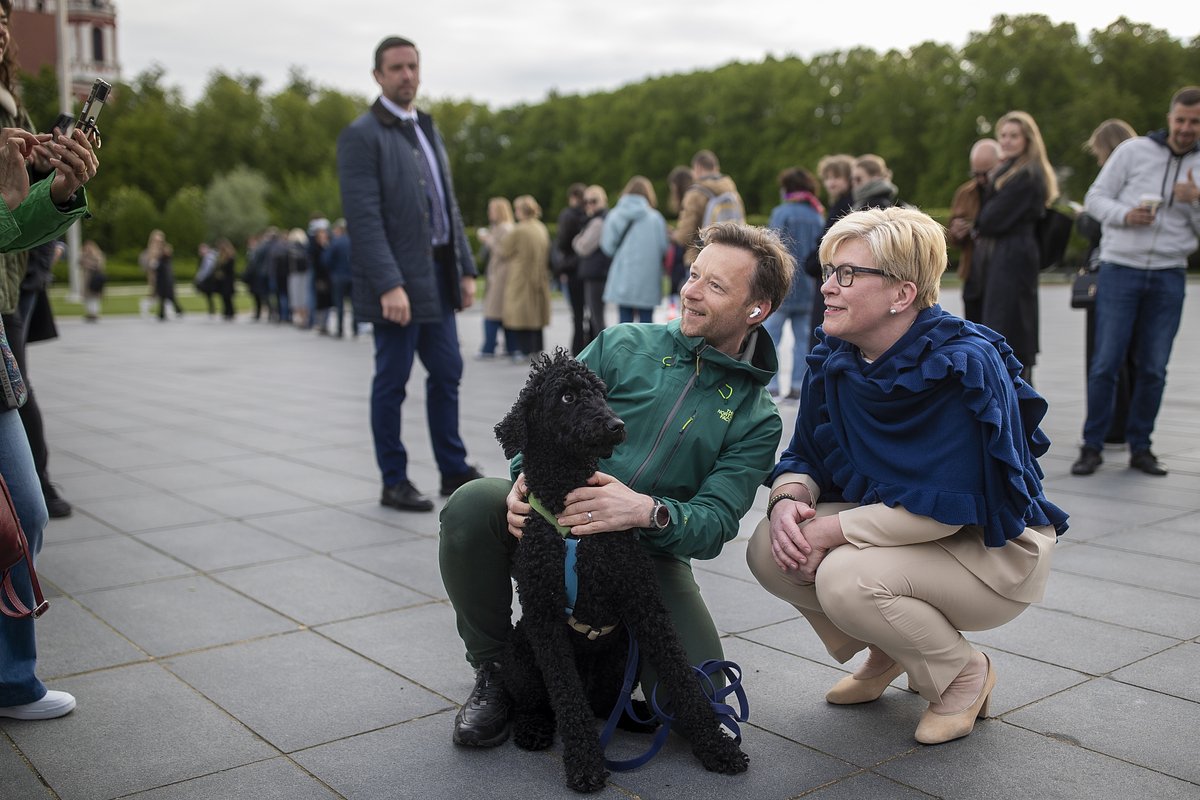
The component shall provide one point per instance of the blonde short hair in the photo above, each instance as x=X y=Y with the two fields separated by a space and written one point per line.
x=501 y=209
x=527 y=207
x=906 y=244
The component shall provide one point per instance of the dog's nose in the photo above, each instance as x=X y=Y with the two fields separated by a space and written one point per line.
x=616 y=425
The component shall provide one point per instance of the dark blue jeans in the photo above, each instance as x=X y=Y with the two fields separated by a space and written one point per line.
x=436 y=344
x=18 y=650
x=342 y=285
x=1143 y=306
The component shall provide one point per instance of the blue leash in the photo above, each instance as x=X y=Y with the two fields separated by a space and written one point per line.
x=727 y=715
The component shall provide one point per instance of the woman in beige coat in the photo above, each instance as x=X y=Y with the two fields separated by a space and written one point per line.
x=908 y=506
x=526 y=251
x=500 y=222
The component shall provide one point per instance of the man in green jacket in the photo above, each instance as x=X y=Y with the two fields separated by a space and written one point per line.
x=702 y=435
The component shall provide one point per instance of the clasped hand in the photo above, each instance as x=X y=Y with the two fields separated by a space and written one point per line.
x=800 y=540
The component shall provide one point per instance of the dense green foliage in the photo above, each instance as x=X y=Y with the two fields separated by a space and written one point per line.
x=240 y=159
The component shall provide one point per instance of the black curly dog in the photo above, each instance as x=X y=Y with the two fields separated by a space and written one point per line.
x=554 y=672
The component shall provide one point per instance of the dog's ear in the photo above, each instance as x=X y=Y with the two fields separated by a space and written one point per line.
x=511 y=431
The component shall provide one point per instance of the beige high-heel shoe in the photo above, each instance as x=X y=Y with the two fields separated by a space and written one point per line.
x=851 y=690
x=936 y=728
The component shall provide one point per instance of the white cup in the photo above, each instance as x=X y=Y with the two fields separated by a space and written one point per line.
x=1150 y=201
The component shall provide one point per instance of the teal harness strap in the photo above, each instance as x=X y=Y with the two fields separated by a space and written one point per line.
x=569 y=575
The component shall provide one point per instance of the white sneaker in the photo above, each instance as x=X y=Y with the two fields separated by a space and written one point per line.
x=54 y=704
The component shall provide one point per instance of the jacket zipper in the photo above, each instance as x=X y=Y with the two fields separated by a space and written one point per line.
x=667 y=424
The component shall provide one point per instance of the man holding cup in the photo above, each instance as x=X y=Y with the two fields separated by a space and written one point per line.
x=1148 y=201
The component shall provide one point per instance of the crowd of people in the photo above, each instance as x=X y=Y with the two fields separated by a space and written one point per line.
x=908 y=505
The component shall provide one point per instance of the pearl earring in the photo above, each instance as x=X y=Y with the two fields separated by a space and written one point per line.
x=891 y=311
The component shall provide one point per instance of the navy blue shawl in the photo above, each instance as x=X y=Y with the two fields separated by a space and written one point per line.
x=941 y=423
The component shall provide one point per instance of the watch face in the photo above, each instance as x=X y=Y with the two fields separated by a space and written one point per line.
x=662 y=515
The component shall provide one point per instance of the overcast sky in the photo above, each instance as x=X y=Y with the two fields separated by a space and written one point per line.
x=506 y=53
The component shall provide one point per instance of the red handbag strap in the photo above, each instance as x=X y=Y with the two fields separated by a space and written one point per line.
x=19 y=609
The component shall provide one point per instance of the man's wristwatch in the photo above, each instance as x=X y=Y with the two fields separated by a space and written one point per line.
x=660 y=516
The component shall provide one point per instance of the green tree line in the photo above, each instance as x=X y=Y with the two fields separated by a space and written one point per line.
x=240 y=159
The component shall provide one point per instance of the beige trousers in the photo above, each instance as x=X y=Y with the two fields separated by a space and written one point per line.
x=910 y=601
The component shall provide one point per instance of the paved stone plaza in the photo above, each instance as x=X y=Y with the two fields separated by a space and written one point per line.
x=239 y=618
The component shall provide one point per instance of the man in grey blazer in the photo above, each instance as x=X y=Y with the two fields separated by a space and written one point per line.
x=412 y=269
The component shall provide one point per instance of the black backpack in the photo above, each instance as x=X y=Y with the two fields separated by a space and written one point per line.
x=1053 y=232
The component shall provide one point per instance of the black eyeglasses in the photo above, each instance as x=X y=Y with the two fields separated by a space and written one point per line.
x=846 y=272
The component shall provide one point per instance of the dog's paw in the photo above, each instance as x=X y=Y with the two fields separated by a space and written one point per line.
x=587 y=780
x=726 y=758
x=533 y=732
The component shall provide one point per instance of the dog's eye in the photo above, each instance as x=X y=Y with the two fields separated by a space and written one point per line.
x=568 y=398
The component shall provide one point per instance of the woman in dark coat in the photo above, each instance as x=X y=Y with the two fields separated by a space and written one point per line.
x=836 y=173
x=1006 y=243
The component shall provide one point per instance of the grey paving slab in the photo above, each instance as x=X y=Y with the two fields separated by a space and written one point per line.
x=276 y=779
x=739 y=605
x=1086 y=645
x=1171 y=672
x=327 y=530
x=439 y=664
x=412 y=563
x=1107 y=717
x=1000 y=761
x=73 y=640
x=102 y=485
x=221 y=545
x=104 y=563
x=317 y=589
x=182 y=477
x=245 y=500
x=147 y=512
x=416 y=759
x=778 y=769
x=17 y=777
x=135 y=728
x=172 y=616
x=300 y=690
x=305 y=480
x=1148 y=610
x=1165 y=573
x=1157 y=540
x=864 y=785
x=77 y=527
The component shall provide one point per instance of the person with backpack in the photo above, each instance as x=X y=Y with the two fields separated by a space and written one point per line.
x=712 y=198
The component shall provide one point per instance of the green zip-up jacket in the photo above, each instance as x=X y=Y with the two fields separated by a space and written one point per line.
x=702 y=430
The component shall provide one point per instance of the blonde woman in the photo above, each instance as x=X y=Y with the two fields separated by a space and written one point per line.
x=156 y=260
x=1006 y=246
x=526 y=249
x=500 y=222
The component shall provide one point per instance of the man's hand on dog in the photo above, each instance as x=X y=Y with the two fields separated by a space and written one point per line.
x=605 y=504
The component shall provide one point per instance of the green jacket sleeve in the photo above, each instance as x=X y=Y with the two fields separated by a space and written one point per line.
x=38 y=220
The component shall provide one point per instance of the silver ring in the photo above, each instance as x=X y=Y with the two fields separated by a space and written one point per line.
x=589 y=516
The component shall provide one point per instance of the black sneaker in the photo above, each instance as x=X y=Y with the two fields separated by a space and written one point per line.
x=56 y=506
x=483 y=719
x=405 y=497
x=450 y=484
x=1147 y=462
x=1089 y=460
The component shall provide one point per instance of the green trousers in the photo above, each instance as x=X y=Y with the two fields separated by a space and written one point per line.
x=475 y=551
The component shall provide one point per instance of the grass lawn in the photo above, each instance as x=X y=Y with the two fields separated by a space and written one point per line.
x=123 y=299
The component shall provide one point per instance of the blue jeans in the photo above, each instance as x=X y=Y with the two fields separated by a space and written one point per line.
x=629 y=313
x=801 y=333
x=1145 y=306
x=491 y=335
x=18 y=650
x=436 y=343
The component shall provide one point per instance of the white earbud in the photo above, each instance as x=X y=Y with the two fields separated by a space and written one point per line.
x=756 y=313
